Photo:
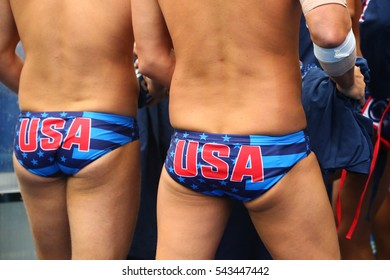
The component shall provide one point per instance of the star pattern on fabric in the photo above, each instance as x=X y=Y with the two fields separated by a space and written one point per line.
x=203 y=136
x=226 y=138
x=181 y=179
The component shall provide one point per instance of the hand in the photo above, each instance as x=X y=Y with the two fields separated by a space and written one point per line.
x=156 y=92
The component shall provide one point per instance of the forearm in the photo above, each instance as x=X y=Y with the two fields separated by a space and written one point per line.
x=10 y=68
x=345 y=81
x=157 y=66
x=334 y=43
x=153 y=42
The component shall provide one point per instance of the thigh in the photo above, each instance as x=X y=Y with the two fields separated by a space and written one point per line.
x=190 y=225
x=103 y=200
x=45 y=203
x=294 y=218
x=381 y=213
x=358 y=246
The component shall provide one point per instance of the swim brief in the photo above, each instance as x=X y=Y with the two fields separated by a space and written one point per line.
x=241 y=167
x=53 y=144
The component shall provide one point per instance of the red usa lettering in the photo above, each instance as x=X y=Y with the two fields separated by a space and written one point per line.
x=248 y=162
x=78 y=134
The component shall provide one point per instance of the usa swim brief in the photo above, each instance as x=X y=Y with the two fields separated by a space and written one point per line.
x=241 y=167
x=53 y=144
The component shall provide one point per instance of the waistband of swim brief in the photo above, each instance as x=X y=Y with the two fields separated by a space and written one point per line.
x=296 y=137
x=107 y=117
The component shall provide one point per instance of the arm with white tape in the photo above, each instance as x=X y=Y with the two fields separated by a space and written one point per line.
x=334 y=43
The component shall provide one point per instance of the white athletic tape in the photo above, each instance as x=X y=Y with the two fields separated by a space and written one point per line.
x=336 y=61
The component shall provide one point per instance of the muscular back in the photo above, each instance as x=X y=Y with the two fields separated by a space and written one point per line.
x=78 y=55
x=241 y=56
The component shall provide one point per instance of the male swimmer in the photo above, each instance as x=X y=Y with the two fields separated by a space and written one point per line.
x=77 y=155
x=235 y=102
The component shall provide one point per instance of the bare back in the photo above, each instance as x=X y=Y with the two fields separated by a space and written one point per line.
x=82 y=64
x=241 y=56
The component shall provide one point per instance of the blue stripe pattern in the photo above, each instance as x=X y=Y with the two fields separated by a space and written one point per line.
x=108 y=135
x=297 y=137
x=50 y=170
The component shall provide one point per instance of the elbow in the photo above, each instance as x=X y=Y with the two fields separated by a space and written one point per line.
x=147 y=61
x=330 y=38
x=329 y=25
x=146 y=66
x=10 y=68
x=330 y=34
x=157 y=68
